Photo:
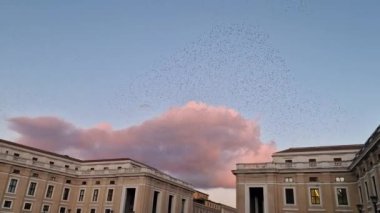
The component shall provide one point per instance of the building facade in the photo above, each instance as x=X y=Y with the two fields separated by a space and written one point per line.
x=202 y=204
x=33 y=180
x=342 y=178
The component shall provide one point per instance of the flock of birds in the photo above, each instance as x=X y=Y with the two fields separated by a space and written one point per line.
x=233 y=66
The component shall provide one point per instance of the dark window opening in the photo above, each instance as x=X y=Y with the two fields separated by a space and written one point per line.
x=289 y=196
x=130 y=200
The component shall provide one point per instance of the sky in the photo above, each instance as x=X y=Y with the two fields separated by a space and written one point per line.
x=189 y=87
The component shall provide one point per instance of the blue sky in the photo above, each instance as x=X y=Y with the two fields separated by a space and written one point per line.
x=306 y=71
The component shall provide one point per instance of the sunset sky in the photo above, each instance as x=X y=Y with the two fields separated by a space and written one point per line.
x=189 y=87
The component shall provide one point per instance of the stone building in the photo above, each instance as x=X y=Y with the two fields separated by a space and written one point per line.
x=343 y=178
x=34 y=180
x=202 y=204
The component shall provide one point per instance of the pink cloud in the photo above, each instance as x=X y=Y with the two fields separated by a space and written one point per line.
x=196 y=142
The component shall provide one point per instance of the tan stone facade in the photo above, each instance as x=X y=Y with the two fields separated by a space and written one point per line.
x=33 y=180
x=312 y=179
x=202 y=204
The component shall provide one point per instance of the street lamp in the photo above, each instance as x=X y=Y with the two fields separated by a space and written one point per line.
x=374 y=202
x=359 y=207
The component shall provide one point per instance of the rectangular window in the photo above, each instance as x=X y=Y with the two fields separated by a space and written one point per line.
x=313 y=179
x=341 y=194
x=95 y=195
x=93 y=211
x=366 y=189
x=32 y=188
x=315 y=197
x=12 y=185
x=374 y=185
x=7 y=204
x=130 y=200
x=313 y=162
x=155 y=201
x=108 y=210
x=62 y=210
x=289 y=196
x=109 y=195
x=49 y=191
x=183 y=204
x=45 y=208
x=170 y=204
x=339 y=179
x=27 y=206
x=66 y=193
x=338 y=161
x=361 y=194
x=81 y=195
x=288 y=163
x=79 y=210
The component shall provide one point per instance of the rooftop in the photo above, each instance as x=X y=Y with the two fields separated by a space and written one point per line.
x=322 y=148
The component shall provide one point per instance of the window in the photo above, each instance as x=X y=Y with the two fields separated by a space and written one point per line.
x=105 y=168
x=95 y=195
x=32 y=188
x=16 y=171
x=79 y=210
x=361 y=194
x=27 y=206
x=288 y=163
x=155 y=201
x=16 y=154
x=35 y=175
x=341 y=194
x=183 y=204
x=107 y=210
x=170 y=204
x=109 y=195
x=339 y=179
x=52 y=163
x=289 y=196
x=338 y=161
x=112 y=182
x=49 y=191
x=45 y=208
x=81 y=195
x=67 y=166
x=93 y=211
x=119 y=167
x=374 y=185
x=7 y=204
x=313 y=179
x=312 y=162
x=12 y=185
x=97 y=182
x=315 y=197
x=66 y=192
x=34 y=159
x=92 y=169
x=366 y=189
x=68 y=181
x=289 y=180
x=62 y=210
x=84 y=183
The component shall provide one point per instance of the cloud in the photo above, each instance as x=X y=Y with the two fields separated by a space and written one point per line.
x=196 y=142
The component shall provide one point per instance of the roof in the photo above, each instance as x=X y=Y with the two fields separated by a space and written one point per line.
x=322 y=148
x=66 y=156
